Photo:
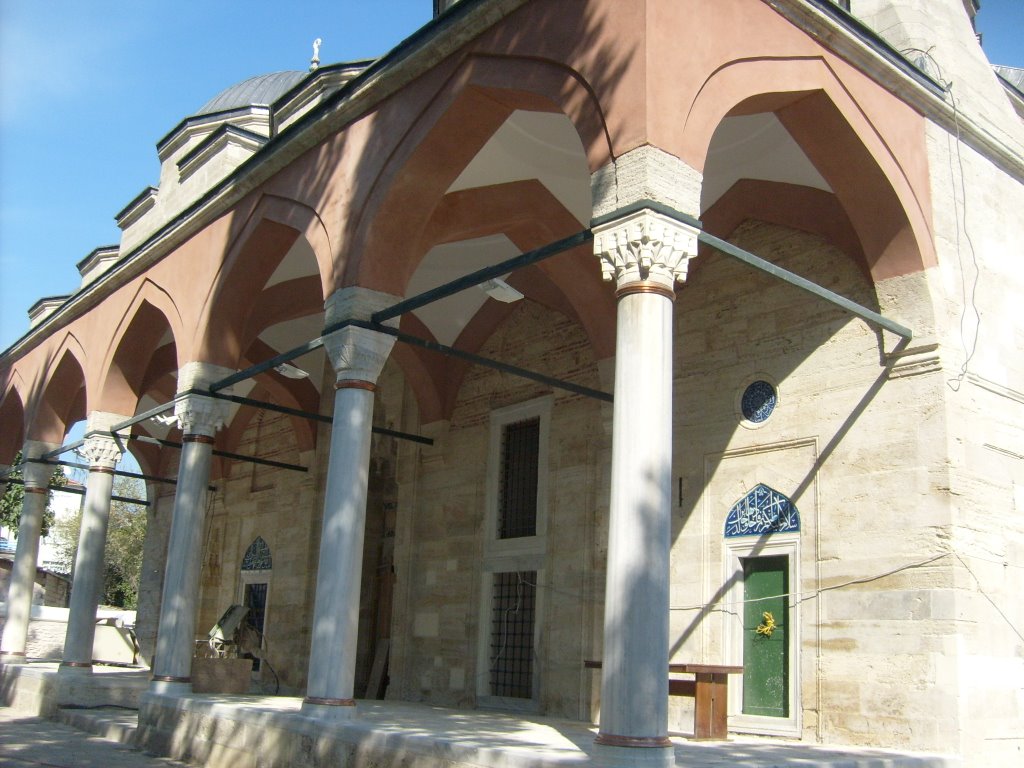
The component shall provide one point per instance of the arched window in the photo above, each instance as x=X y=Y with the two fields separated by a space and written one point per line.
x=257 y=556
x=256 y=566
x=764 y=510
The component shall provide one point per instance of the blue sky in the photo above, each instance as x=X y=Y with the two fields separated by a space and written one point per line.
x=87 y=88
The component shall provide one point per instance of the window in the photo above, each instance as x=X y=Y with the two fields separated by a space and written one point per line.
x=517 y=495
x=255 y=599
x=512 y=627
x=516 y=515
x=257 y=566
x=515 y=545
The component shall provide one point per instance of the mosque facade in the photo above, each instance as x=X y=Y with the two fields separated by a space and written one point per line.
x=559 y=345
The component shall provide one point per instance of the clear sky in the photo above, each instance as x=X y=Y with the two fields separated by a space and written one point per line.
x=88 y=87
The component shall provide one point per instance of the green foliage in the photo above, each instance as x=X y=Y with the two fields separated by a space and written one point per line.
x=11 y=501
x=122 y=559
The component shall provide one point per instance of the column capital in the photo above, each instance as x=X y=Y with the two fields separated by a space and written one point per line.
x=357 y=354
x=198 y=415
x=645 y=246
x=104 y=450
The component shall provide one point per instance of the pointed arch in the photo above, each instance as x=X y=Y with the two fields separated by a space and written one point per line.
x=12 y=421
x=258 y=556
x=62 y=395
x=268 y=234
x=761 y=512
x=151 y=316
x=869 y=147
x=477 y=98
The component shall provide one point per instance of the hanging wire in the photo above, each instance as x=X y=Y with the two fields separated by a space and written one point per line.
x=924 y=61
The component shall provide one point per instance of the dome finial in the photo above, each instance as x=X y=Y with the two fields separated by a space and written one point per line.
x=314 y=63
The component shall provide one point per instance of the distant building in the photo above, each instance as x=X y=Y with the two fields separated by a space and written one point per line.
x=698 y=458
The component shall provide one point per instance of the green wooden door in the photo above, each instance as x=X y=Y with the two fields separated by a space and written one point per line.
x=765 y=653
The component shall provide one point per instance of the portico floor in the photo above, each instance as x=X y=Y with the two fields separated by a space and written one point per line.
x=257 y=731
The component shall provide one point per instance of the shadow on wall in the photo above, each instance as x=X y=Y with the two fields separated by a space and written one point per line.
x=778 y=333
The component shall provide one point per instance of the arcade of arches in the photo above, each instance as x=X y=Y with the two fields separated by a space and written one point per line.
x=583 y=453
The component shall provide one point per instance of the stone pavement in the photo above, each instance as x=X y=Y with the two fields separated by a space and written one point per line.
x=33 y=741
x=421 y=736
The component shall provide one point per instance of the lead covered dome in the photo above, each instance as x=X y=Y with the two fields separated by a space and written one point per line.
x=261 y=90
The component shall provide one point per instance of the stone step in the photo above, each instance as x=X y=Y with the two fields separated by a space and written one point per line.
x=112 y=723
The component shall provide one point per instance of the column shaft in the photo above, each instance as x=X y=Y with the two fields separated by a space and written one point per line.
x=23 y=573
x=172 y=661
x=336 y=611
x=87 y=584
x=358 y=355
x=634 y=691
x=646 y=253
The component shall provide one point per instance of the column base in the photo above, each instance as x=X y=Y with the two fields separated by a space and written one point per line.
x=13 y=657
x=73 y=686
x=171 y=686
x=332 y=710
x=74 y=669
x=607 y=756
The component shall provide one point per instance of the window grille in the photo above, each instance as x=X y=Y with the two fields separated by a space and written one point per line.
x=512 y=622
x=256 y=602
x=517 y=495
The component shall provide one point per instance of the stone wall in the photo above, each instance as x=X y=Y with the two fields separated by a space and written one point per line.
x=855 y=446
x=978 y=233
x=440 y=545
x=282 y=507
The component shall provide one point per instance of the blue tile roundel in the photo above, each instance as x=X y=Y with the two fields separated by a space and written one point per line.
x=759 y=400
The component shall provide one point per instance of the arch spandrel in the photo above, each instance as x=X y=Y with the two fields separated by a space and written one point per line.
x=866 y=143
x=444 y=137
x=12 y=420
x=271 y=229
x=60 y=396
x=144 y=346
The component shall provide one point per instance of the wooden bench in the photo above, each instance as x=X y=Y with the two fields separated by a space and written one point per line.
x=710 y=692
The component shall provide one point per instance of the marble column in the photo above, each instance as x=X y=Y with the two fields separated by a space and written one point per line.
x=199 y=418
x=645 y=253
x=103 y=453
x=23 y=573
x=358 y=356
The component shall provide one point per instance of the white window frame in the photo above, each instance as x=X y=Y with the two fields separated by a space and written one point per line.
x=736 y=549
x=483 y=688
x=523 y=545
x=524 y=553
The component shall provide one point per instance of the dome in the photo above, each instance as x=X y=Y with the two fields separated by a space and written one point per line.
x=262 y=89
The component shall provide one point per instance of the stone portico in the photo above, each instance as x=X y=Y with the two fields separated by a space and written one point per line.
x=512 y=351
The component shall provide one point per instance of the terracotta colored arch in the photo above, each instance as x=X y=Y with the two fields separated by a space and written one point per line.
x=12 y=422
x=867 y=145
x=269 y=232
x=133 y=349
x=790 y=205
x=530 y=216
x=441 y=141
x=62 y=399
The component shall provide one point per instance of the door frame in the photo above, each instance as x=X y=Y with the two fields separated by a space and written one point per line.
x=787 y=544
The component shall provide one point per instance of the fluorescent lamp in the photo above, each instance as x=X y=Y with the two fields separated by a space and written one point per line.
x=290 y=371
x=498 y=289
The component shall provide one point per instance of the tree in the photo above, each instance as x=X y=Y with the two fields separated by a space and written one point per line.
x=122 y=558
x=11 y=501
